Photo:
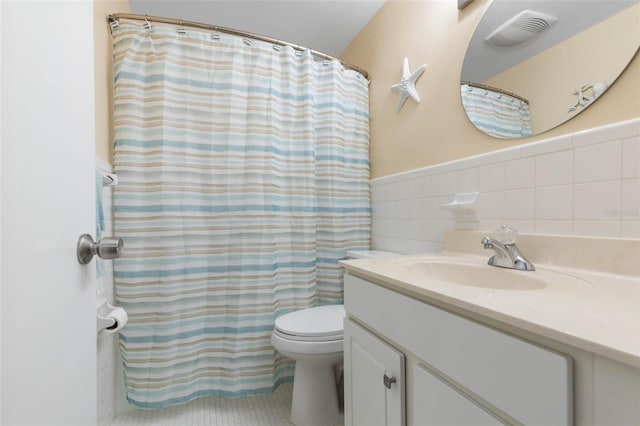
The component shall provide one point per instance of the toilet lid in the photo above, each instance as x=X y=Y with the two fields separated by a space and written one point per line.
x=320 y=323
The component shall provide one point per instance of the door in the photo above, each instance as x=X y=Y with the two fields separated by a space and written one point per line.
x=374 y=379
x=47 y=312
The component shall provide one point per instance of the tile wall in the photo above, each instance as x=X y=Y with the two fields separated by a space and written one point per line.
x=585 y=183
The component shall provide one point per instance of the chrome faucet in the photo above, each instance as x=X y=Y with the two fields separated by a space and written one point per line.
x=506 y=253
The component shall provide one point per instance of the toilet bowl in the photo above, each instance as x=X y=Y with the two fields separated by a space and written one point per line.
x=314 y=338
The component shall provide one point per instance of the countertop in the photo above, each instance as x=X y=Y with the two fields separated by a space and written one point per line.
x=597 y=312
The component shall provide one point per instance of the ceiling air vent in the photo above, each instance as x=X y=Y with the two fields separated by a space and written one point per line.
x=522 y=27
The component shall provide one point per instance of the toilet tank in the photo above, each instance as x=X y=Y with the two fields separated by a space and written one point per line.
x=366 y=254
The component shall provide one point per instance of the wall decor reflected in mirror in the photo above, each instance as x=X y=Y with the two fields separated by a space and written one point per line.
x=531 y=65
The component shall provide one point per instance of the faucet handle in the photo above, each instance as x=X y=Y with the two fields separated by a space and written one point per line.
x=487 y=242
x=505 y=235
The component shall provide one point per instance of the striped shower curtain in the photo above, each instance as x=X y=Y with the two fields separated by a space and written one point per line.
x=243 y=173
x=496 y=114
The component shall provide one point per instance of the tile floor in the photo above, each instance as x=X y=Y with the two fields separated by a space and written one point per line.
x=263 y=410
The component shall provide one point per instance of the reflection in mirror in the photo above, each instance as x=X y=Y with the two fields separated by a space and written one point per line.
x=534 y=64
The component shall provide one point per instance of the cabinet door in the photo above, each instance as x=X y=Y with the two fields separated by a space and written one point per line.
x=374 y=379
x=435 y=402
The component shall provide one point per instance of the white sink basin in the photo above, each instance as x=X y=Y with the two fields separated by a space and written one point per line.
x=485 y=276
x=476 y=275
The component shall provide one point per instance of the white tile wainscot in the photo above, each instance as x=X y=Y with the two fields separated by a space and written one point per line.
x=585 y=183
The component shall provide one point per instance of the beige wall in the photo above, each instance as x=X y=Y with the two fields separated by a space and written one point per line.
x=437 y=130
x=553 y=75
x=104 y=75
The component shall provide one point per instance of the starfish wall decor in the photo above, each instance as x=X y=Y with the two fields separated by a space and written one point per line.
x=406 y=86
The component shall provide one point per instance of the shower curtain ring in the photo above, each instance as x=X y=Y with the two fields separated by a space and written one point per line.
x=181 y=29
x=147 y=24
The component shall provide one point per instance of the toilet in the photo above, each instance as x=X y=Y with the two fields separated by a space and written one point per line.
x=313 y=337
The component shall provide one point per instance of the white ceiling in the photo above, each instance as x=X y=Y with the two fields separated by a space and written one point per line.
x=484 y=60
x=327 y=26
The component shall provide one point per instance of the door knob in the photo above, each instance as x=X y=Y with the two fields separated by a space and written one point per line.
x=106 y=248
x=388 y=381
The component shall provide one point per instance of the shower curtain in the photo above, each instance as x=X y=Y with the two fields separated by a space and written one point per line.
x=495 y=113
x=243 y=173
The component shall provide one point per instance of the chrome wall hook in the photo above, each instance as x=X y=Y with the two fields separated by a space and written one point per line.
x=106 y=248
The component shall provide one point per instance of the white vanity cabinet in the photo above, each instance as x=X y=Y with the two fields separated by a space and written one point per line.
x=457 y=372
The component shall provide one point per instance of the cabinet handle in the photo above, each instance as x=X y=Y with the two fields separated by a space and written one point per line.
x=388 y=381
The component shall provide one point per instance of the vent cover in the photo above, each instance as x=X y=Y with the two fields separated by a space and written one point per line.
x=522 y=27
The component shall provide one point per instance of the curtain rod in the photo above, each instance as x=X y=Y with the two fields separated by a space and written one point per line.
x=495 y=89
x=114 y=18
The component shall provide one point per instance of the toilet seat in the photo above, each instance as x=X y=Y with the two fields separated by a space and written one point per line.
x=319 y=324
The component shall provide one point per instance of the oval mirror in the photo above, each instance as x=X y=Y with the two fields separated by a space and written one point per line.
x=531 y=65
